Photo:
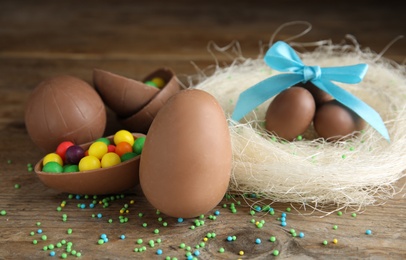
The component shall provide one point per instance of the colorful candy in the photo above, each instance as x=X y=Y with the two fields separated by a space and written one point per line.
x=98 y=149
x=101 y=154
x=62 y=147
x=123 y=136
x=110 y=159
x=73 y=154
x=88 y=163
x=123 y=148
x=53 y=157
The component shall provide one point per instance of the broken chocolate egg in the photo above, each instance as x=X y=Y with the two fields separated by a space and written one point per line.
x=64 y=108
x=123 y=95
x=141 y=120
x=186 y=161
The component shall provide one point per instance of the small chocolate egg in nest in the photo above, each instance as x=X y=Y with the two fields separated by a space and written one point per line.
x=354 y=172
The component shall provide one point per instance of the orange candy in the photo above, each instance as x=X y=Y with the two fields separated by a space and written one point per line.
x=122 y=148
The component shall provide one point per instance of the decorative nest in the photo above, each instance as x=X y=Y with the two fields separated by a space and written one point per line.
x=359 y=171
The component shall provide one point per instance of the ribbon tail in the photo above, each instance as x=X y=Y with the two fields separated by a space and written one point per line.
x=355 y=104
x=262 y=91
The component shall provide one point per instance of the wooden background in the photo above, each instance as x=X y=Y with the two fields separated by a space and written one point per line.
x=39 y=39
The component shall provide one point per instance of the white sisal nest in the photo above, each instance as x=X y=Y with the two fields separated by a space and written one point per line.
x=360 y=171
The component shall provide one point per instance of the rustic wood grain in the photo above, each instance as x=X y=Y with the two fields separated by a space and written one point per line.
x=39 y=39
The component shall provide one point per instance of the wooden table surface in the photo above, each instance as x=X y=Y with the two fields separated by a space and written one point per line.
x=40 y=39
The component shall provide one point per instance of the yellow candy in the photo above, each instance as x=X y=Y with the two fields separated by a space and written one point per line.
x=159 y=82
x=88 y=163
x=52 y=157
x=110 y=159
x=123 y=136
x=98 y=149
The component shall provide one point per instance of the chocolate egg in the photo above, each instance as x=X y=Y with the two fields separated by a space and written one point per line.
x=110 y=180
x=123 y=95
x=186 y=160
x=290 y=113
x=142 y=120
x=320 y=96
x=64 y=108
x=334 y=121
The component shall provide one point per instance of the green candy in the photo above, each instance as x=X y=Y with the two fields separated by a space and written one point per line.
x=52 y=167
x=70 y=168
x=128 y=156
x=138 y=145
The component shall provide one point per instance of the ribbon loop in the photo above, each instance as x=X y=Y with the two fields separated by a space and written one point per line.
x=311 y=73
x=283 y=58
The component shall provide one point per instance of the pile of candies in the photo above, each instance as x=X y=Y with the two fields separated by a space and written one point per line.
x=102 y=153
x=155 y=82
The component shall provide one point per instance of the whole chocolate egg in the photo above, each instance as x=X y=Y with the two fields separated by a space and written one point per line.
x=334 y=121
x=290 y=113
x=186 y=160
x=64 y=108
x=320 y=96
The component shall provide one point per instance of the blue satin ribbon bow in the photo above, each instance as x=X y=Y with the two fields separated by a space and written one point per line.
x=282 y=57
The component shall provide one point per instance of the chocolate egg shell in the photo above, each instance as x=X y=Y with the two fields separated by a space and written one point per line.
x=290 y=113
x=64 y=108
x=186 y=160
x=142 y=120
x=334 y=121
x=111 y=180
x=122 y=95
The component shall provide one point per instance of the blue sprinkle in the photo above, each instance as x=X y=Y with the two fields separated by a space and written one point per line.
x=99 y=215
x=77 y=197
x=253 y=195
x=229 y=238
x=258 y=241
x=91 y=205
x=258 y=208
x=216 y=212
x=197 y=253
x=189 y=257
x=301 y=235
x=159 y=252
x=105 y=240
x=52 y=253
x=283 y=223
x=103 y=236
x=180 y=220
x=39 y=231
x=122 y=237
x=82 y=206
x=282 y=219
x=368 y=232
x=284 y=214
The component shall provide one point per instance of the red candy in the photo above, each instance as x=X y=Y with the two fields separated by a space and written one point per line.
x=111 y=148
x=62 y=147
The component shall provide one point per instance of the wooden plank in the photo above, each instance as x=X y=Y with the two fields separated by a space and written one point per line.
x=46 y=38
